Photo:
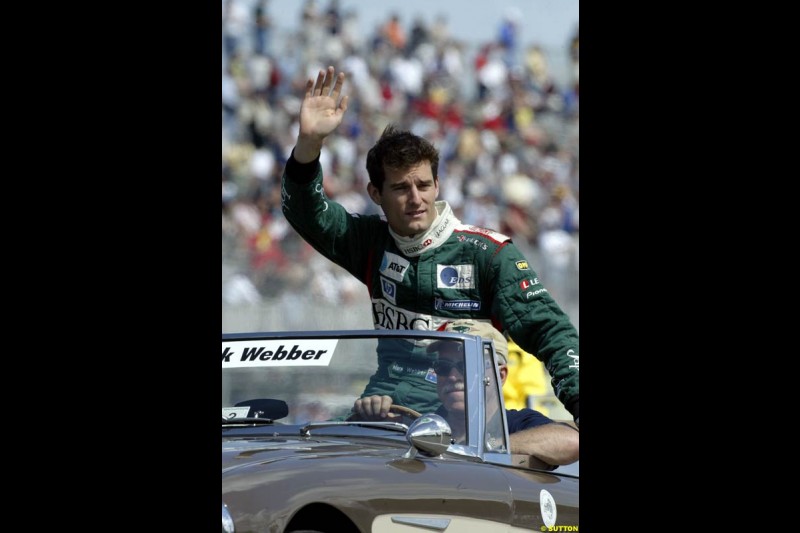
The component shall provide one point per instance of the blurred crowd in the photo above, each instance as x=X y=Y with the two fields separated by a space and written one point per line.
x=506 y=129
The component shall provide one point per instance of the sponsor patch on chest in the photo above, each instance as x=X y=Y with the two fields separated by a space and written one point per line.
x=455 y=277
x=389 y=290
x=385 y=315
x=457 y=305
x=393 y=266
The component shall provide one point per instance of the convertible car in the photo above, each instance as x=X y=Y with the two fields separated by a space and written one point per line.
x=296 y=457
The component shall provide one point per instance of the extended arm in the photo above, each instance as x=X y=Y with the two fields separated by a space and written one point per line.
x=555 y=444
x=536 y=323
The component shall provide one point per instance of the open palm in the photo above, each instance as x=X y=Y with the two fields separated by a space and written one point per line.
x=319 y=113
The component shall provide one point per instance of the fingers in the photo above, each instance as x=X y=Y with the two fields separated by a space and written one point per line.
x=373 y=407
x=325 y=80
x=320 y=83
x=337 y=87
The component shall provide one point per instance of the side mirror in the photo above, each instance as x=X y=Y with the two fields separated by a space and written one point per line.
x=429 y=434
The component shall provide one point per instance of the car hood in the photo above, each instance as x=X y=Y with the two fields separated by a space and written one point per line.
x=266 y=478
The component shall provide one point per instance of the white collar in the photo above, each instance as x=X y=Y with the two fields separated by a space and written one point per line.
x=442 y=227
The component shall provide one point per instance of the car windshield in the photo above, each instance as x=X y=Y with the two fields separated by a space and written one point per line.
x=320 y=378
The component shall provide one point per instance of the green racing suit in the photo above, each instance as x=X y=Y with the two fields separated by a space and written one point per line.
x=451 y=271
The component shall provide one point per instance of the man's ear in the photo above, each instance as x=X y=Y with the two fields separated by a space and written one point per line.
x=503 y=369
x=374 y=193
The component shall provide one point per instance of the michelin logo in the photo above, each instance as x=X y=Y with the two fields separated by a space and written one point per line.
x=457 y=305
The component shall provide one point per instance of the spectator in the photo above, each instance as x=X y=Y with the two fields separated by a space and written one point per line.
x=526 y=381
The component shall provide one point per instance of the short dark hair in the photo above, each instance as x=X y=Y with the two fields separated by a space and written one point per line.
x=398 y=150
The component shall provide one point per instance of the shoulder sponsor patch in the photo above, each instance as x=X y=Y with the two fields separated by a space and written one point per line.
x=393 y=266
x=493 y=235
x=430 y=376
x=528 y=286
x=474 y=241
x=522 y=265
x=531 y=294
x=280 y=352
x=455 y=277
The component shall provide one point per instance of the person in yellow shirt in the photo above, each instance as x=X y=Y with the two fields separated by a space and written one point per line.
x=527 y=381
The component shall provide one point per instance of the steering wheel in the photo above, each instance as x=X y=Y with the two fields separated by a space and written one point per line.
x=394 y=408
x=405 y=411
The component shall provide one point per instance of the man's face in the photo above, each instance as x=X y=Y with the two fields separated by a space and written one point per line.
x=407 y=199
x=450 y=377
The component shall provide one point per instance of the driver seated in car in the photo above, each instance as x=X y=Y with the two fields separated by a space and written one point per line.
x=531 y=432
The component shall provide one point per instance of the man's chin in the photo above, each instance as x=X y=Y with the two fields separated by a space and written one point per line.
x=455 y=403
x=415 y=228
x=456 y=407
